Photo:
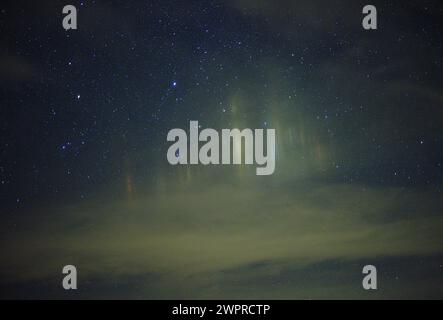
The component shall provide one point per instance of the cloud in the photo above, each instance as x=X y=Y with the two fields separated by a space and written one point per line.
x=202 y=234
x=15 y=68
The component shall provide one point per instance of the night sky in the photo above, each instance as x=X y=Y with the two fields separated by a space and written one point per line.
x=84 y=178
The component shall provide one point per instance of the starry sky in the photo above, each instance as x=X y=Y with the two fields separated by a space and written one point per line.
x=84 y=178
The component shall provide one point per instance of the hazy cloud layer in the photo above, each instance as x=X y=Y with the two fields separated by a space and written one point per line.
x=226 y=235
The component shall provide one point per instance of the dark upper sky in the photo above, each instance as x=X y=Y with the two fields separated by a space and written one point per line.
x=84 y=116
